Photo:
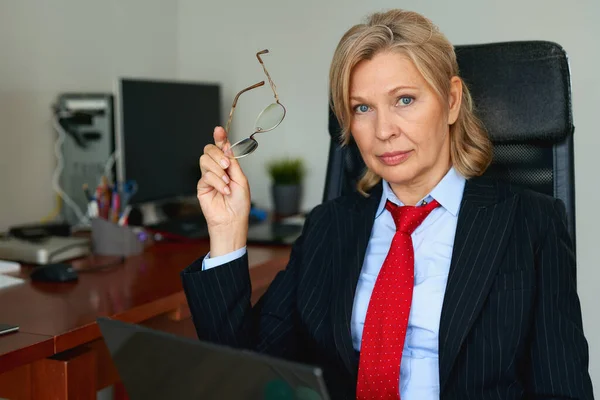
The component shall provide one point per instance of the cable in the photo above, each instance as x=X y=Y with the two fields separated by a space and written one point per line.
x=82 y=219
x=56 y=212
x=110 y=164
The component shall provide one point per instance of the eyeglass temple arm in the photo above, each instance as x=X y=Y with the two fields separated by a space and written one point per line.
x=235 y=100
x=273 y=87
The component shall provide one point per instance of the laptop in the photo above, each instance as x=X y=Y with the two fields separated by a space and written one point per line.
x=274 y=233
x=259 y=232
x=159 y=365
x=183 y=228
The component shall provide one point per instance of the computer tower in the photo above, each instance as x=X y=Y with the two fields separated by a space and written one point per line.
x=87 y=124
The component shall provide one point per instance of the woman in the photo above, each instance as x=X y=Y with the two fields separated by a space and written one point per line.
x=429 y=282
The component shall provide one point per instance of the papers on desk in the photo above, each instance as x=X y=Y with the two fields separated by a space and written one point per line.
x=9 y=266
x=5 y=280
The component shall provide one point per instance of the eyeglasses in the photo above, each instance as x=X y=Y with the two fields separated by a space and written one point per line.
x=268 y=119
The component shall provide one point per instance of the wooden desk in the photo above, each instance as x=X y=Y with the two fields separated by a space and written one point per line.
x=59 y=353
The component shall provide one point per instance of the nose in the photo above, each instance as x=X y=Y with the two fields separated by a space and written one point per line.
x=387 y=126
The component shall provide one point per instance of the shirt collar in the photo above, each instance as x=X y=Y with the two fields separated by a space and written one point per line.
x=448 y=192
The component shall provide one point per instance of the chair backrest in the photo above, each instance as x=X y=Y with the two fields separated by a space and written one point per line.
x=522 y=93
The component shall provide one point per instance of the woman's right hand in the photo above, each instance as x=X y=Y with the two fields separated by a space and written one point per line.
x=224 y=196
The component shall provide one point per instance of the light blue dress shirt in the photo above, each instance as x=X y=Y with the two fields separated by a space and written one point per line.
x=209 y=263
x=433 y=241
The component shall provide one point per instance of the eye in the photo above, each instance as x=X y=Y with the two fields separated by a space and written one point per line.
x=361 y=108
x=405 y=100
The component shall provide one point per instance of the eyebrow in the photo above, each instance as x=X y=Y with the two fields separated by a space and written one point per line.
x=393 y=90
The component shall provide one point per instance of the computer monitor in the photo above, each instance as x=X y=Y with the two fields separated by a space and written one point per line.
x=164 y=128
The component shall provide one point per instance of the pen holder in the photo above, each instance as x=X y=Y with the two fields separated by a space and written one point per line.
x=114 y=240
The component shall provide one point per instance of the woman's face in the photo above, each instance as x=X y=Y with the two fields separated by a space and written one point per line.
x=399 y=123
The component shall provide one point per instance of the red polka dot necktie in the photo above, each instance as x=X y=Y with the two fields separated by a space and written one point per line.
x=389 y=307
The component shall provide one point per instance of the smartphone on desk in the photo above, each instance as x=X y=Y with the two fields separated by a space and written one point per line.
x=6 y=328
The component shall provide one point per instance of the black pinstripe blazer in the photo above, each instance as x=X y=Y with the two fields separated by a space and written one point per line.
x=511 y=322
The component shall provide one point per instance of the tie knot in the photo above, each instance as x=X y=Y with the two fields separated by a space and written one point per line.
x=408 y=218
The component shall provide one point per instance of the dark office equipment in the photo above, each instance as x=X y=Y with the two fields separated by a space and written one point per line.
x=38 y=232
x=194 y=227
x=6 y=328
x=54 y=273
x=523 y=96
x=43 y=250
x=88 y=124
x=274 y=233
x=158 y=365
x=165 y=126
x=180 y=229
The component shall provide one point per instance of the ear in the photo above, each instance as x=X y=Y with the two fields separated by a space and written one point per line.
x=454 y=99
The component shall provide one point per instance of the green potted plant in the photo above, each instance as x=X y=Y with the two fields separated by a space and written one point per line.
x=287 y=175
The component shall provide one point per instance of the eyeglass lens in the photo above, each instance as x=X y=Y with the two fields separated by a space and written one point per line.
x=268 y=119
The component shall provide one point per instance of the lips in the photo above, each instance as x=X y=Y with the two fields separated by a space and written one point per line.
x=395 y=157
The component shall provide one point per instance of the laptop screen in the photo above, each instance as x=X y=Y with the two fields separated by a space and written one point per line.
x=158 y=365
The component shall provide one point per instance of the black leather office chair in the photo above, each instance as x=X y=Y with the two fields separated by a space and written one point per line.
x=522 y=93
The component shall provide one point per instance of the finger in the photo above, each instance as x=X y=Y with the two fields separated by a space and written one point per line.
x=235 y=171
x=220 y=137
x=217 y=155
x=208 y=164
x=204 y=188
x=212 y=180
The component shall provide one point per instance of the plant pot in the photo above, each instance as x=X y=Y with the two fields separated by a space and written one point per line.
x=286 y=199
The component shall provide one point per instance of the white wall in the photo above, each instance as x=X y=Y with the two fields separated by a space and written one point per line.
x=48 y=47
x=217 y=41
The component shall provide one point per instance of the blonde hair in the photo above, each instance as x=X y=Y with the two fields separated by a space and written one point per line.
x=433 y=55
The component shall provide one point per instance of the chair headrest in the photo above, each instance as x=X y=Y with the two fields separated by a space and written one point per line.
x=521 y=90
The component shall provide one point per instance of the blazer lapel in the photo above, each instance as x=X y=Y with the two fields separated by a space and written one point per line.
x=484 y=222
x=353 y=227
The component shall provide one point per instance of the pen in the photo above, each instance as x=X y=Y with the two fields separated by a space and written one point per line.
x=115 y=208
x=103 y=197
x=98 y=198
x=124 y=220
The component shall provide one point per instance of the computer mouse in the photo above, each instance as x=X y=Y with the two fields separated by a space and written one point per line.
x=54 y=273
